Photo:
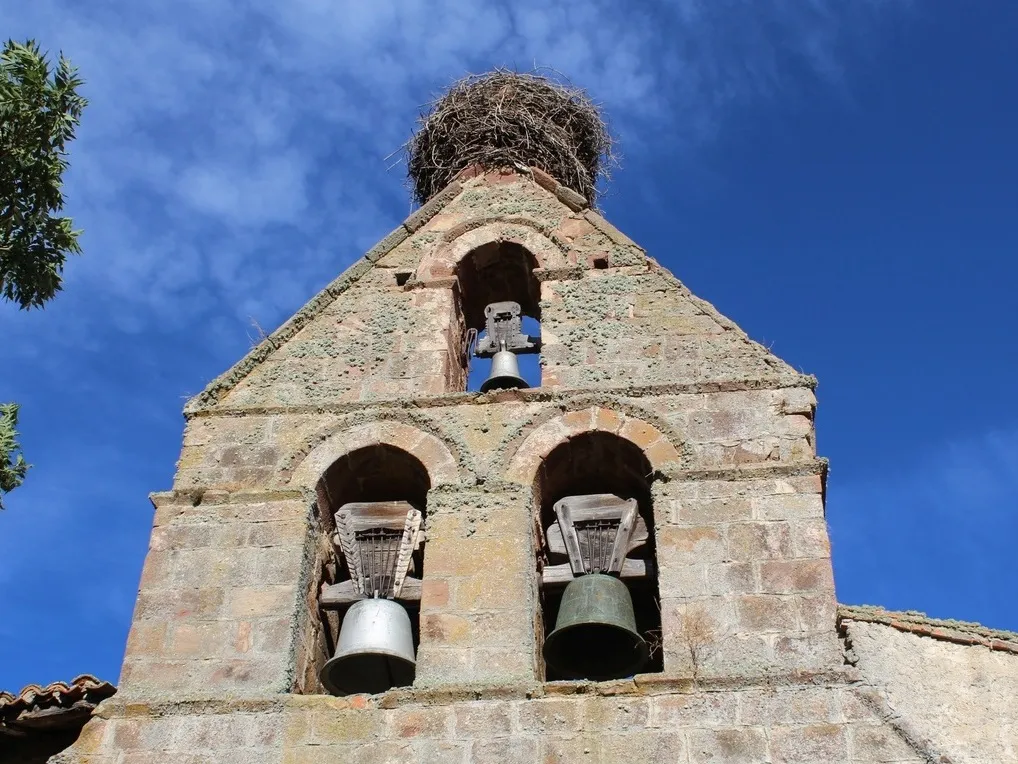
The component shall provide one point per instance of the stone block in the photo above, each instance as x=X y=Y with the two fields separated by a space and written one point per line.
x=643 y=746
x=332 y=726
x=793 y=705
x=146 y=638
x=729 y=745
x=806 y=651
x=257 y=602
x=482 y=720
x=550 y=716
x=817 y=612
x=810 y=539
x=437 y=665
x=684 y=580
x=511 y=664
x=445 y=629
x=276 y=534
x=640 y=433
x=798 y=400
x=450 y=557
x=581 y=749
x=169 y=604
x=759 y=541
x=738 y=655
x=711 y=511
x=701 y=709
x=517 y=749
x=811 y=744
x=788 y=507
x=687 y=545
x=200 y=639
x=432 y=722
x=570 y=198
x=878 y=743
x=767 y=613
x=452 y=751
x=488 y=589
x=434 y=593
x=789 y=576
x=616 y=714
x=729 y=578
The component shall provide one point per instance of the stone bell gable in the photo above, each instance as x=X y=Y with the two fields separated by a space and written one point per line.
x=390 y=327
x=648 y=396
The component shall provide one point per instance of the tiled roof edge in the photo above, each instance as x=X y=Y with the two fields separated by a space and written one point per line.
x=948 y=630
x=84 y=687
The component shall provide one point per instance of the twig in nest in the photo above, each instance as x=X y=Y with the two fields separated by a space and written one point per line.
x=506 y=119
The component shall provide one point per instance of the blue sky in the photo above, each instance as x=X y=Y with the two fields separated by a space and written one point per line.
x=840 y=178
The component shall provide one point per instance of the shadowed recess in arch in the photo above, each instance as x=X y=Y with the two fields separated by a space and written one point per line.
x=600 y=463
x=498 y=272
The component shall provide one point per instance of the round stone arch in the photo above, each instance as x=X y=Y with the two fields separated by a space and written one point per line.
x=542 y=440
x=442 y=261
x=438 y=460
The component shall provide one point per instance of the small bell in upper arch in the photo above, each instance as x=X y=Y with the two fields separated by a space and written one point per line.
x=502 y=341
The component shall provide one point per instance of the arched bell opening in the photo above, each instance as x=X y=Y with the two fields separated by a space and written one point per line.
x=499 y=273
x=372 y=502
x=595 y=523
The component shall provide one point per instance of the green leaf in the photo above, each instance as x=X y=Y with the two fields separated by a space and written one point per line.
x=39 y=111
x=12 y=464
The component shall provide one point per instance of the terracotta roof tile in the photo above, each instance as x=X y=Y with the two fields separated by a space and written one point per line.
x=59 y=704
x=948 y=630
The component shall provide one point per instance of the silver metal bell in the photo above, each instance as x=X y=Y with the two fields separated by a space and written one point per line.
x=505 y=372
x=374 y=652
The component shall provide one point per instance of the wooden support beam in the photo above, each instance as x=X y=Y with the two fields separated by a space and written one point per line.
x=560 y=575
x=334 y=596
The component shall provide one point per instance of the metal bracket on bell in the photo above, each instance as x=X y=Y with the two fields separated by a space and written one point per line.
x=502 y=341
x=503 y=331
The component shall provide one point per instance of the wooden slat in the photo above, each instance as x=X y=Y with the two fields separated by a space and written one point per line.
x=622 y=535
x=563 y=511
x=557 y=545
x=560 y=575
x=344 y=593
x=363 y=515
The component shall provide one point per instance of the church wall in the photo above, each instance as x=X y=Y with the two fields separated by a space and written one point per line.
x=634 y=326
x=388 y=328
x=220 y=598
x=221 y=660
x=710 y=430
x=963 y=698
x=830 y=720
x=742 y=553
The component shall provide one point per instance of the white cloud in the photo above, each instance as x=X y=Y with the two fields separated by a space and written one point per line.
x=222 y=131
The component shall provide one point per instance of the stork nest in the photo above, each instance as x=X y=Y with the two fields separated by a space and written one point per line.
x=506 y=119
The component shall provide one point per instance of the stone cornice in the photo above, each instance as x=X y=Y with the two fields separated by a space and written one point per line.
x=528 y=395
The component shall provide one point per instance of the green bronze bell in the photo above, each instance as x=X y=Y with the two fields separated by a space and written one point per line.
x=595 y=633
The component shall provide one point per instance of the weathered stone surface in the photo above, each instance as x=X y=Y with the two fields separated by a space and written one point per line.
x=711 y=432
x=962 y=699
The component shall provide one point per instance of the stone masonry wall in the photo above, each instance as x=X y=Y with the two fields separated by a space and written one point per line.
x=963 y=699
x=741 y=546
x=219 y=594
x=388 y=327
x=832 y=718
x=225 y=629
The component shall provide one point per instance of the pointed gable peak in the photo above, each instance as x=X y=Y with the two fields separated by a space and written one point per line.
x=585 y=277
